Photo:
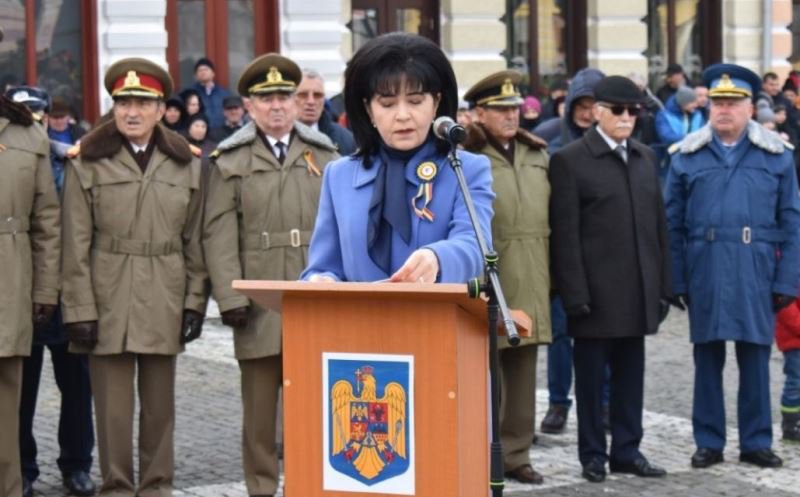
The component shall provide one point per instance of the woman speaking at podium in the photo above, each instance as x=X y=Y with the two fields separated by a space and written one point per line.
x=393 y=210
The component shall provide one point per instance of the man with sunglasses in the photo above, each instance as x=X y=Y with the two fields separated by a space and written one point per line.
x=734 y=221
x=611 y=267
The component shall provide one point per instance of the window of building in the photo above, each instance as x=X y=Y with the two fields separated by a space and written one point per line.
x=370 y=18
x=51 y=43
x=687 y=32
x=538 y=30
x=230 y=33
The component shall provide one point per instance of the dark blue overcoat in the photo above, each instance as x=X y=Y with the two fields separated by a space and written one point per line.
x=734 y=223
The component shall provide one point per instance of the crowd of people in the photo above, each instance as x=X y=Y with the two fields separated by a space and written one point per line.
x=634 y=202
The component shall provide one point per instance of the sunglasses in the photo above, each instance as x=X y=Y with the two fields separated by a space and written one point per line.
x=633 y=110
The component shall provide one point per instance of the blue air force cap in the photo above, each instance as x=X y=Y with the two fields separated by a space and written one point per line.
x=34 y=98
x=731 y=81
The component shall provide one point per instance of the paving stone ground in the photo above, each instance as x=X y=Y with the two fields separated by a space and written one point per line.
x=207 y=436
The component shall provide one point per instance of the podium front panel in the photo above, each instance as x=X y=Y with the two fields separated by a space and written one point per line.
x=447 y=454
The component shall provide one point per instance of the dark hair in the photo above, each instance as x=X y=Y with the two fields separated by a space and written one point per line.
x=770 y=75
x=379 y=68
x=188 y=92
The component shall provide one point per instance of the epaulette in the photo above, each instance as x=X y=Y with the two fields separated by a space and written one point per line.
x=74 y=151
x=674 y=147
x=196 y=151
x=216 y=153
x=788 y=144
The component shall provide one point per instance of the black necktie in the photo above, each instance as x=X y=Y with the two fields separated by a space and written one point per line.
x=281 y=151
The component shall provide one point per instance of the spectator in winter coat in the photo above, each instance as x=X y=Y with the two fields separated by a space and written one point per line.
x=787 y=336
x=679 y=117
x=577 y=111
x=211 y=94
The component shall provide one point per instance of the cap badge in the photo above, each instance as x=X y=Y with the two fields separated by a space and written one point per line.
x=725 y=83
x=21 y=96
x=274 y=75
x=132 y=79
x=507 y=90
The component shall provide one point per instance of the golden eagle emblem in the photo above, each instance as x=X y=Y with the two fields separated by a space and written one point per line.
x=369 y=434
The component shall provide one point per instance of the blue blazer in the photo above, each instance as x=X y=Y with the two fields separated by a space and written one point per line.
x=339 y=244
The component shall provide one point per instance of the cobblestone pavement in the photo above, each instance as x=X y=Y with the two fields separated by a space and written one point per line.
x=207 y=436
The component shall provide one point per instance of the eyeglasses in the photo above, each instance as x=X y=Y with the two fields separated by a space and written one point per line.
x=633 y=110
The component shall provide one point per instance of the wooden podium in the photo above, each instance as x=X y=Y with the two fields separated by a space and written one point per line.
x=445 y=333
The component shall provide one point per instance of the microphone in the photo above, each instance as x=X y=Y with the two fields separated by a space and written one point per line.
x=448 y=130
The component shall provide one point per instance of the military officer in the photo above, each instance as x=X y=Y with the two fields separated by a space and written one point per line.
x=734 y=223
x=30 y=244
x=71 y=371
x=261 y=206
x=520 y=233
x=133 y=273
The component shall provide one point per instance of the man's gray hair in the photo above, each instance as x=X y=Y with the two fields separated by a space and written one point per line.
x=312 y=74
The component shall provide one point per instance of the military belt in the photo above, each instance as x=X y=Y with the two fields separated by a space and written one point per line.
x=745 y=235
x=14 y=225
x=129 y=246
x=523 y=233
x=265 y=241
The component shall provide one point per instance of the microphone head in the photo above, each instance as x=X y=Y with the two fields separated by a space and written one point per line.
x=445 y=128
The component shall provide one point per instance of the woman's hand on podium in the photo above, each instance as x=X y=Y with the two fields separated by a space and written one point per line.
x=422 y=266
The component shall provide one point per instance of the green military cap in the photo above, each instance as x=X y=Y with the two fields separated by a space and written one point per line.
x=496 y=90
x=135 y=77
x=269 y=73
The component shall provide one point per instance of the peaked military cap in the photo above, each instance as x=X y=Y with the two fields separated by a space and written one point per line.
x=269 y=73
x=731 y=81
x=496 y=90
x=136 y=77
x=34 y=98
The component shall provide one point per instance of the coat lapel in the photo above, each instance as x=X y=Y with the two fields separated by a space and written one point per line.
x=267 y=157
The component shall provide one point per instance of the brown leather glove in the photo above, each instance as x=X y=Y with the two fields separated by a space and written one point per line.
x=43 y=313
x=83 y=333
x=235 y=318
x=192 y=326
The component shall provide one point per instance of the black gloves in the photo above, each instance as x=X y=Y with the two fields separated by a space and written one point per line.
x=681 y=301
x=83 y=334
x=235 y=318
x=779 y=301
x=578 y=310
x=43 y=313
x=192 y=326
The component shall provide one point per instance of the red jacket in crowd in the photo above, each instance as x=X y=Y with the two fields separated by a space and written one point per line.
x=787 y=327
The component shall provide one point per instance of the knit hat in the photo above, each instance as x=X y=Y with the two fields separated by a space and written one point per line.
x=765 y=115
x=204 y=61
x=531 y=103
x=684 y=96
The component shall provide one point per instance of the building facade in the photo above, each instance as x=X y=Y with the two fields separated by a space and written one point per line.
x=66 y=45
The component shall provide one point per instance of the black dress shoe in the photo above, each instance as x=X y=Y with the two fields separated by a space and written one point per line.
x=27 y=487
x=79 y=483
x=594 y=471
x=703 y=458
x=639 y=467
x=764 y=458
x=526 y=474
x=555 y=420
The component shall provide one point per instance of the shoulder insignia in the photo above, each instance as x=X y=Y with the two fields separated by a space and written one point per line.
x=788 y=144
x=674 y=148
x=216 y=153
x=74 y=151
x=196 y=151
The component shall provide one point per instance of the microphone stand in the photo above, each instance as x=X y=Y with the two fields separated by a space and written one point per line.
x=496 y=305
